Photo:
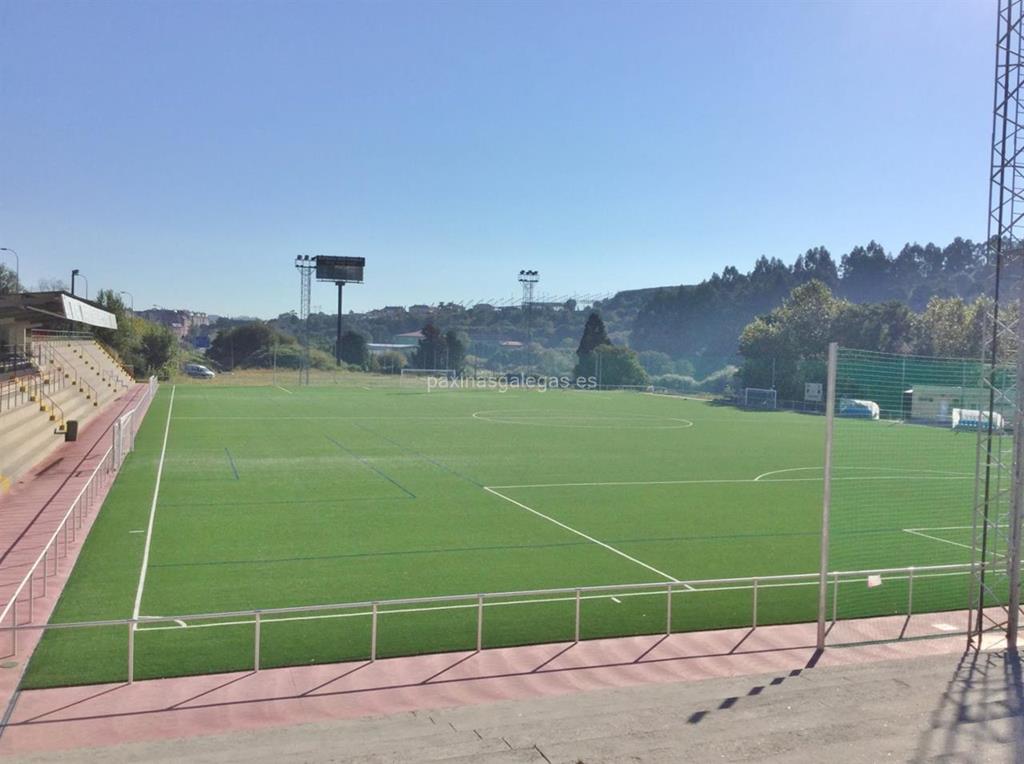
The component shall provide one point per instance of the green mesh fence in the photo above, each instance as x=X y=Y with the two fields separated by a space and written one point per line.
x=903 y=478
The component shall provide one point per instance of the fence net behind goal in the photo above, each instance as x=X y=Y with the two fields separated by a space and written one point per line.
x=904 y=456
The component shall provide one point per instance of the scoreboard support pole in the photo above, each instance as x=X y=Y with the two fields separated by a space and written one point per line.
x=337 y=343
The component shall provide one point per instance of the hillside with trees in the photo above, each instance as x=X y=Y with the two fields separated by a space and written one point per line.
x=787 y=346
x=702 y=323
x=689 y=337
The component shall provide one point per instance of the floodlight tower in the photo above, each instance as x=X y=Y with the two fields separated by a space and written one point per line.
x=305 y=265
x=999 y=505
x=529 y=280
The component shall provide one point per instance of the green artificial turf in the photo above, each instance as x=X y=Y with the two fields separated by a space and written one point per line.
x=276 y=498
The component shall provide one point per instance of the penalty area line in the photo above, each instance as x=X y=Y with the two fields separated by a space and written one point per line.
x=581 y=534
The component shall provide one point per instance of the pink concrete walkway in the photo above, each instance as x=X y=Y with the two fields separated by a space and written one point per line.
x=102 y=715
x=34 y=508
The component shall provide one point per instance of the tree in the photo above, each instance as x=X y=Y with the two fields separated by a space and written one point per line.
x=781 y=348
x=123 y=338
x=456 y=346
x=157 y=349
x=618 y=366
x=8 y=280
x=389 y=362
x=52 y=285
x=251 y=345
x=865 y=270
x=594 y=336
x=431 y=350
x=948 y=327
x=656 y=363
x=354 y=349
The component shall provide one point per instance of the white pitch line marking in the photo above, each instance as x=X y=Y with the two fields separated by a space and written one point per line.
x=152 y=509
x=569 y=528
x=936 y=538
x=138 y=531
x=920 y=473
x=728 y=480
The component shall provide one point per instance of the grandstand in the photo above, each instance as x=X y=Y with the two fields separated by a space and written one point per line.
x=52 y=381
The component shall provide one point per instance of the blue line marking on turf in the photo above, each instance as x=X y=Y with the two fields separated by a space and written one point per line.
x=232 y=463
x=366 y=463
x=426 y=458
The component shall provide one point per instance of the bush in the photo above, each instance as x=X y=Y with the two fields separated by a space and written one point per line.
x=678 y=382
x=388 y=362
x=720 y=381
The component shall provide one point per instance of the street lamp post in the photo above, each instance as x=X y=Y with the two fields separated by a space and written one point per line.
x=17 y=267
x=131 y=297
x=80 y=275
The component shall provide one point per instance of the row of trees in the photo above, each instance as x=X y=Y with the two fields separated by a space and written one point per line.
x=787 y=346
x=703 y=321
x=440 y=351
x=606 y=363
x=145 y=347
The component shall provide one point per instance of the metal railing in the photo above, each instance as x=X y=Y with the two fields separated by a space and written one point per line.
x=66 y=532
x=54 y=334
x=375 y=609
x=45 y=352
x=55 y=410
x=14 y=392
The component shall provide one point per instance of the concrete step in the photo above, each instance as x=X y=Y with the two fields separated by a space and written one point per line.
x=13 y=418
x=24 y=447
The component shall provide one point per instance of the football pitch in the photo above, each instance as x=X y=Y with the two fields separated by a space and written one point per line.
x=242 y=498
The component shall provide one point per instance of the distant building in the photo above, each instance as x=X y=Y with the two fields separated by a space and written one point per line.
x=181 y=322
x=408 y=338
x=376 y=348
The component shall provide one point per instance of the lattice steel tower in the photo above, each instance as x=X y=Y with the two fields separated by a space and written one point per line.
x=995 y=593
x=305 y=265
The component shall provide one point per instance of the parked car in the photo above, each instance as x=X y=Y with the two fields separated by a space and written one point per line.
x=199 y=371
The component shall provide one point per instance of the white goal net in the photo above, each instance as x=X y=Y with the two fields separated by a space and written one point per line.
x=425 y=377
x=759 y=398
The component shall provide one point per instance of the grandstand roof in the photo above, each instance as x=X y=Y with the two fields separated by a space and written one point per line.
x=42 y=306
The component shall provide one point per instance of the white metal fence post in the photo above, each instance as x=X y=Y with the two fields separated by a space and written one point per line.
x=256 y=643
x=479 y=622
x=826 y=504
x=753 y=615
x=835 y=597
x=668 y=610
x=576 y=638
x=373 y=633
x=910 y=592
x=131 y=652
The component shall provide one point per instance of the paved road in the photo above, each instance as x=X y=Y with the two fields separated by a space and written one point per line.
x=961 y=708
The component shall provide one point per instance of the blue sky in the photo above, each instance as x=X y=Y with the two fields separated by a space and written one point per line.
x=187 y=151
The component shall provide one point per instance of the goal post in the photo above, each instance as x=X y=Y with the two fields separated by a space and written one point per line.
x=414 y=376
x=760 y=398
